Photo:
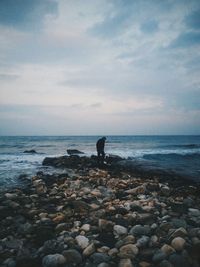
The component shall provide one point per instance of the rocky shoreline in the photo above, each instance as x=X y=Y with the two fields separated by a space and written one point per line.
x=102 y=216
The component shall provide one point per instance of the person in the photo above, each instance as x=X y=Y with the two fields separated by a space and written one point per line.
x=100 y=149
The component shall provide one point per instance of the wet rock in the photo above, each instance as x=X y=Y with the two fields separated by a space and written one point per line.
x=25 y=229
x=98 y=258
x=61 y=227
x=137 y=190
x=73 y=257
x=178 y=243
x=105 y=225
x=167 y=249
x=43 y=233
x=165 y=263
x=177 y=223
x=180 y=232
x=128 y=251
x=139 y=230
x=74 y=152
x=194 y=212
x=142 y=242
x=125 y=263
x=54 y=260
x=120 y=230
x=13 y=243
x=107 y=239
x=89 y=250
x=85 y=227
x=144 y=264
x=31 y=151
x=165 y=190
x=11 y=196
x=178 y=260
x=82 y=241
x=179 y=207
x=52 y=246
x=159 y=256
x=9 y=263
x=103 y=264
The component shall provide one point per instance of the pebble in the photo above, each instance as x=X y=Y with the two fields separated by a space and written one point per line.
x=142 y=242
x=99 y=218
x=167 y=249
x=128 y=251
x=125 y=263
x=194 y=212
x=159 y=256
x=82 y=241
x=72 y=257
x=120 y=230
x=89 y=250
x=178 y=243
x=85 y=227
x=54 y=260
x=98 y=258
x=140 y=230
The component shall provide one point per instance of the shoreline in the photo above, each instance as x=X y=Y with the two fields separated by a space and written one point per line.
x=103 y=216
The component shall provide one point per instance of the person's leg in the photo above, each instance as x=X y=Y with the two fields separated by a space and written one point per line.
x=103 y=156
x=98 y=156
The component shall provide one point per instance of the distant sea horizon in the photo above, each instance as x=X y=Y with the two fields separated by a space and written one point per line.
x=177 y=154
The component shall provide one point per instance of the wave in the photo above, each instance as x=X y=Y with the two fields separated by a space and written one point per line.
x=186 y=146
x=172 y=156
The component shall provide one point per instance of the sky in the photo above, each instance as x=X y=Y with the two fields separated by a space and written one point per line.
x=99 y=67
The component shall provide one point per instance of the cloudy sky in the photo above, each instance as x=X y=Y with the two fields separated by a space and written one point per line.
x=99 y=67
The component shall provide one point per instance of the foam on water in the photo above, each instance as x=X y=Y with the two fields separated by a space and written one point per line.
x=157 y=151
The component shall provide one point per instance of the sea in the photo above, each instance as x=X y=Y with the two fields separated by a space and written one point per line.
x=175 y=155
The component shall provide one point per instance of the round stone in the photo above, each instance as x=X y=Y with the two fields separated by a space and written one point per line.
x=54 y=260
x=89 y=250
x=120 y=230
x=72 y=257
x=167 y=249
x=128 y=251
x=178 y=243
x=82 y=241
x=125 y=263
x=140 y=230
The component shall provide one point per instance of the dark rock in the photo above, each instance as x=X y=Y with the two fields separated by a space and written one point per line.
x=147 y=254
x=177 y=223
x=43 y=233
x=178 y=260
x=53 y=260
x=107 y=239
x=32 y=151
x=52 y=246
x=165 y=263
x=179 y=207
x=98 y=258
x=159 y=256
x=73 y=257
x=139 y=230
x=74 y=152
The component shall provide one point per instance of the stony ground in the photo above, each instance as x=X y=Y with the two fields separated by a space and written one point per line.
x=100 y=218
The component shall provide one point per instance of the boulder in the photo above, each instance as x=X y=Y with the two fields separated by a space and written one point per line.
x=32 y=151
x=74 y=152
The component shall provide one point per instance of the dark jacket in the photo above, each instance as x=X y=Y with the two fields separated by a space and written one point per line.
x=100 y=144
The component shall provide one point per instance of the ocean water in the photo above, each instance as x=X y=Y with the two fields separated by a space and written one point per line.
x=175 y=154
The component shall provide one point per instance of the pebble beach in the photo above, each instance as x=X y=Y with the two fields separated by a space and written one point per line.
x=102 y=216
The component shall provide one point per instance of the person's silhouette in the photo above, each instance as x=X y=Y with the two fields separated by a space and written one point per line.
x=100 y=150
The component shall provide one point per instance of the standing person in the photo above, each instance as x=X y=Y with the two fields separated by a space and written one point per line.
x=100 y=149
